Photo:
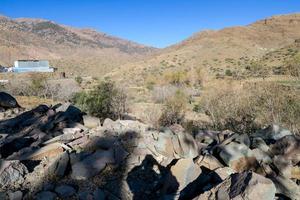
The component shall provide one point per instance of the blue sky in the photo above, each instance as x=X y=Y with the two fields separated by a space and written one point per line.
x=157 y=23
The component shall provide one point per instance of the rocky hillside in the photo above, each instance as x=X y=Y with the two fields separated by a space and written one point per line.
x=66 y=47
x=57 y=152
x=214 y=51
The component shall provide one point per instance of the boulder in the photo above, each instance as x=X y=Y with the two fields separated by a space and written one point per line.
x=245 y=185
x=272 y=132
x=185 y=171
x=288 y=147
x=12 y=173
x=7 y=101
x=92 y=164
x=64 y=191
x=286 y=187
x=238 y=156
x=164 y=144
x=184 y=145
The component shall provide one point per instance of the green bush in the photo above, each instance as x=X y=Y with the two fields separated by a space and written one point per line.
x=104 y=101
x=78 y=79
x=228 y=72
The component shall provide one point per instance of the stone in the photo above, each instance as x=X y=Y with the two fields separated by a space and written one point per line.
x=244 y=139
x=185 y=171
x=3 y=195
x=91 y=122
x=207 y=137
x=64 y=191
x=224 y=172
x=12 y=173
x=71 y=131
x=45 y=195
x=120 y=127
x=58 y=167
x=85 y=195
x=18 y=195
x=48 y=151
x=245 y=185
x=119 y=154
x=164 y=144
x=48 y=186
x=272 y=132
x=99 y=194
x=286 y=187
x=261 y=156
x=259 y=143
x=289 y=147
x=92 y=164
x=238 y=156
x=185 y=145
x=209 y=162
x=7 y=101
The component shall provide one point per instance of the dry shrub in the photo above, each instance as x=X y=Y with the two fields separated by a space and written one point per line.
x=152 y=115
x=161 y=93
x=38 y=85
x=293 y=66
x=246 y=108
x=174 y=109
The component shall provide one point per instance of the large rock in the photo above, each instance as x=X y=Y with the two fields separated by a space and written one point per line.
x=7 y=101
x=48 y=151
x=164 y=144
x=12 y=174
x=238 y=156
x=184 y=145
x=239 y=186
x=288 y=147
x=286 y=187
x=272 y=132
x=92 y=165
x=58 y=167
x=185 y=171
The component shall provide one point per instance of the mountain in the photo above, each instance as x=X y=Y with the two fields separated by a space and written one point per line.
x=83 y=51
x=214 y=51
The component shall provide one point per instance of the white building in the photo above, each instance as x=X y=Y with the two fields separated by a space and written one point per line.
x=32 y=66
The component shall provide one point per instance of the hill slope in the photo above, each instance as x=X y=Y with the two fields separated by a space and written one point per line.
x=74 y=50
x=215 y=51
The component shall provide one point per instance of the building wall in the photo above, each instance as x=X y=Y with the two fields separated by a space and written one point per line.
x=31 y=64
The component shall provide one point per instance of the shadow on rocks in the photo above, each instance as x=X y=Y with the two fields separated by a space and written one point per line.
x=147 y=180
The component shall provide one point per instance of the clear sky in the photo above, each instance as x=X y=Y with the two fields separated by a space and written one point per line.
x=157 y=23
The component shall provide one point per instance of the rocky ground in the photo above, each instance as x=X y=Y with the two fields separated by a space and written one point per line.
x=58 y=152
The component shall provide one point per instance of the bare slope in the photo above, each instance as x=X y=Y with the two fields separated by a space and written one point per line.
x=74 y=50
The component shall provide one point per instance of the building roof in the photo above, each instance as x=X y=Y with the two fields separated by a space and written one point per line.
x=31 y=60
